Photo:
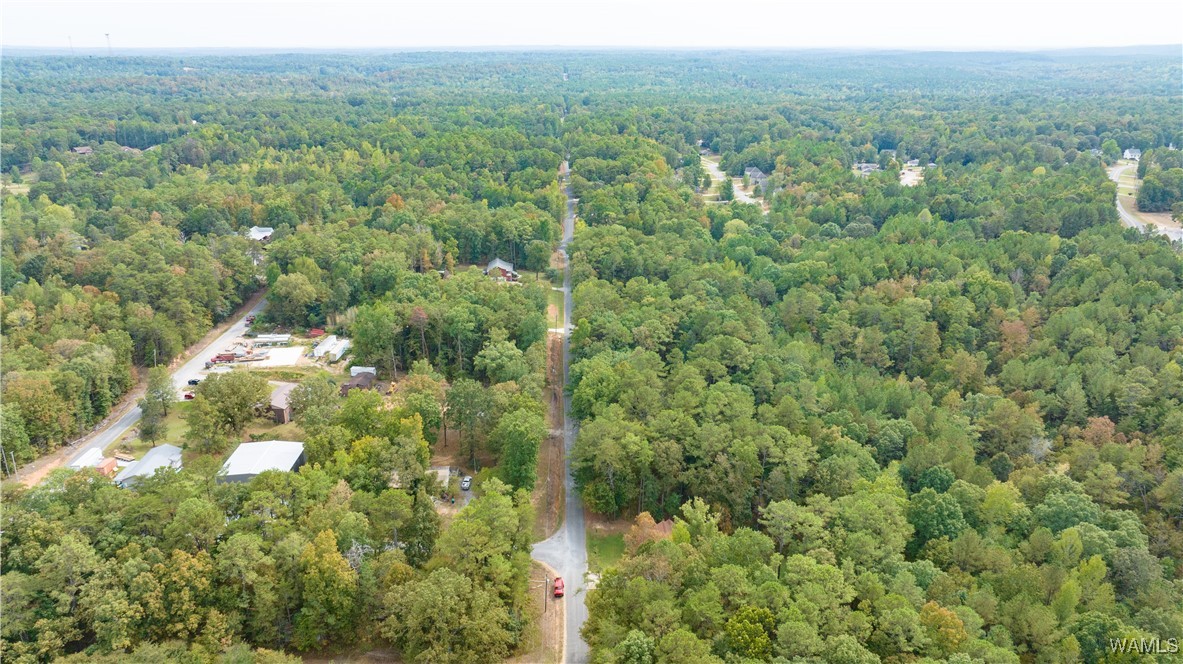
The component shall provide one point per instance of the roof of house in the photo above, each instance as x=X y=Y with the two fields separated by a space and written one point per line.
x=254 y=458
x=260 y=232
x=162 y=456
x=353 y=371
x=498 y=263
x=363 y=379
x=754 y=173
x=281 y=395
x=83 y=149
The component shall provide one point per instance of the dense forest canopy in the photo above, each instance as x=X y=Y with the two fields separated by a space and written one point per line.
x=940 y=422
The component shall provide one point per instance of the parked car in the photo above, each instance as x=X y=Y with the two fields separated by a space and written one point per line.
x=189 y=396
x=194 y=381
x=466 y=483
x=560 y=587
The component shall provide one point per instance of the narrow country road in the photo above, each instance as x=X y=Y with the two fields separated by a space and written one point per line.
x=1127 y=219
x=191 y=369
x=566 y=550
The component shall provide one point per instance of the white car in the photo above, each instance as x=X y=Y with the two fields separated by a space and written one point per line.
x=466 y=483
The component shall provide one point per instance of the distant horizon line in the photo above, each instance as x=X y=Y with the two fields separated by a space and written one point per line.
x=77 y=51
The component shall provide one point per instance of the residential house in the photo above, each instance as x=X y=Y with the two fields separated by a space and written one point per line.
x=260 y=233
x=1132 y=153
x=501 y=270
x=756 y=178
x=250 y=459
x=83 y=149
x=353 y=371
x=866 y=167
x=362 y=381
x=914 y=163
x=281 y=407
x=162 y=456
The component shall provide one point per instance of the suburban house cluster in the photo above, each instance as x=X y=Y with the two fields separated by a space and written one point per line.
x=245 y=462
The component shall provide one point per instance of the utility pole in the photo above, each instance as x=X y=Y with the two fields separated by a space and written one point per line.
x=108 y=34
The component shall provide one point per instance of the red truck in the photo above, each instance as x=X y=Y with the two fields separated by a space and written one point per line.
x=559 y=586
x=223 y=357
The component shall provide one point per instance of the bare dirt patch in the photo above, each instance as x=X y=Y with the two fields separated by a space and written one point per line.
x=548 y=489
x=599 y=524
x=911 y=176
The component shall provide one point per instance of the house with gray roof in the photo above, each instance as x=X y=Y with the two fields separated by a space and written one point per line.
x=161 y=456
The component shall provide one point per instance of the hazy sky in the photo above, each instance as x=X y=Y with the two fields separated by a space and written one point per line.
x=896 y=24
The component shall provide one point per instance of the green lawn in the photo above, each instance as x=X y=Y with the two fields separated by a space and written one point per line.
x=555 y=298
x=259 y=428
x=174 y=432
x=604 y=551
x=293 y=374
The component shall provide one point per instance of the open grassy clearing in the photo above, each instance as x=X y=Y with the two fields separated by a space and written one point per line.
x=603 y=550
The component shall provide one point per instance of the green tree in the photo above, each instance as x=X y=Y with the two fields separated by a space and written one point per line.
x=476 y=627
x=223 y=405
x=935 y=515
x=519 y=434
x=468 y=407
x=329 y=598
x=291 y=297
x=314 y=403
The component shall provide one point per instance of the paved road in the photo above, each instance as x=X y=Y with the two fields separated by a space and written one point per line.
x=1127 y=219
x=194 y=368
x=566 y=550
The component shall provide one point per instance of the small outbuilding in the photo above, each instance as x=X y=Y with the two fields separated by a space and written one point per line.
x=281 y=407
x=250 y=459
x=162 y=456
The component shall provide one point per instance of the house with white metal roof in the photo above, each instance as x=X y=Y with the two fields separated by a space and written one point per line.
x=250 y=459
